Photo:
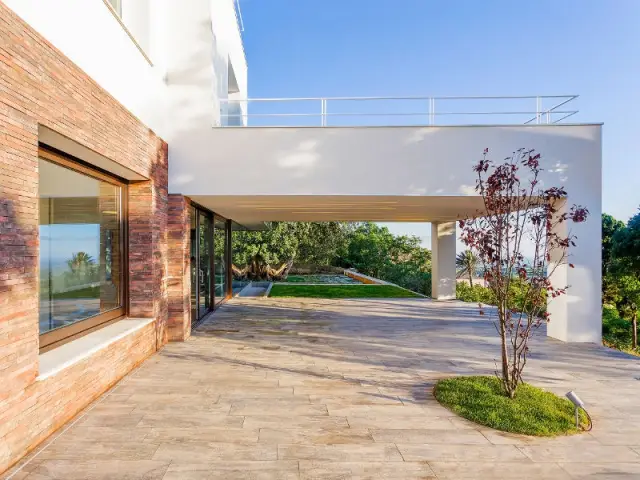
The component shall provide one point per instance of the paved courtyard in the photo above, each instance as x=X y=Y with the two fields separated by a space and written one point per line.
x=323 y=389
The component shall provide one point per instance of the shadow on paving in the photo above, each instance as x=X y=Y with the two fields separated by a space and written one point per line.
x=413 y=337
x=308 y=388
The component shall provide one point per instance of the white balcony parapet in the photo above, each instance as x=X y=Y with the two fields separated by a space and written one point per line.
x=240 y=24
x=402 y=111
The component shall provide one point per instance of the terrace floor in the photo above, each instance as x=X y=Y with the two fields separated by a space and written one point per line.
x=308 y=388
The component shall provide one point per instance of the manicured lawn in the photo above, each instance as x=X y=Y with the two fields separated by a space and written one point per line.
x=88 y=292
x=321 y=278
x=340 y=291
x=533 y=411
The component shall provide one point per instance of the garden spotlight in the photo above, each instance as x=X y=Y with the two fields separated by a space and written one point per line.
x=579 y=404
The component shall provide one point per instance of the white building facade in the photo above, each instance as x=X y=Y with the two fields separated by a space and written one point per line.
x=183 y=72
x=141 y=109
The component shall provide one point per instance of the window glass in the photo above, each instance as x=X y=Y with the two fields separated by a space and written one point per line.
x=194 y=262
x=220 y=263
x=80 y=246
x=205 y=250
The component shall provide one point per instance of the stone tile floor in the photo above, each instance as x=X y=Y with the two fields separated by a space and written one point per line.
x=322 y=389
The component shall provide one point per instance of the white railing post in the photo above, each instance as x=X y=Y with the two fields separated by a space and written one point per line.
x=433 y=111
x=538 y=108
x=323 y=108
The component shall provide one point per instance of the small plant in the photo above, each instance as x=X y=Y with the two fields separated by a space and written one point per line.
x=517 y=208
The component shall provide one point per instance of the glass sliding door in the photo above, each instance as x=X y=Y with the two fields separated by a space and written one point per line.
x=221 y=253
x=205 y=235
x=210 y=247
x=193 y=216
x=202 y=262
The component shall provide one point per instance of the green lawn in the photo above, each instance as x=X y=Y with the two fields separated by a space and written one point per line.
x=340 y=291
x=533 y=411
x=88 y=292
x=321 y=278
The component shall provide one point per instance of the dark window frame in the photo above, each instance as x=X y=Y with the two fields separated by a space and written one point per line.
x=215 y=302
x=62 y=335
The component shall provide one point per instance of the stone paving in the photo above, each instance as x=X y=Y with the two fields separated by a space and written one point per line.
x=340 y=389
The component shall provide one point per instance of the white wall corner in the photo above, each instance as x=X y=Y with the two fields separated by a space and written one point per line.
x=443 y=261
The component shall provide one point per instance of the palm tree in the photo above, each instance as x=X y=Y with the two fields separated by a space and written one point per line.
x=466 y=264
x=80 y=261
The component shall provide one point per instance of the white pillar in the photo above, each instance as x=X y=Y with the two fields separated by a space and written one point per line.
x=443 y=261
x=577 y=315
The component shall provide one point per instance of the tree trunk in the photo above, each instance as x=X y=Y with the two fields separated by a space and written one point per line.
x=634 y=326
x=506 y=381
x=470 y=278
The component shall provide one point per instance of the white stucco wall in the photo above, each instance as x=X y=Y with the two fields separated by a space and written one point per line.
x=89 y=35
x=176 y=92
x=443 y=261
x=231 y=55
x=377 y=160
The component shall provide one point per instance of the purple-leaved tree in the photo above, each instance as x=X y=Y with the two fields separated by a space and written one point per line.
x=518 y=209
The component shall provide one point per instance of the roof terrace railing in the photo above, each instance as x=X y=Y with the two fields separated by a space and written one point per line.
x=387 y=111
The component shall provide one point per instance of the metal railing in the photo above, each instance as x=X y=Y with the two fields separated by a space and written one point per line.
x=240 y=24
x=238 y=12
x=362 y=111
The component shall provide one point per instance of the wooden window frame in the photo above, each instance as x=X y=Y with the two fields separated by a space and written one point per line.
x=62 y=335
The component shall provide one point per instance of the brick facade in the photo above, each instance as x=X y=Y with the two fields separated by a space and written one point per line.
x=179 y=275
x=40 y=87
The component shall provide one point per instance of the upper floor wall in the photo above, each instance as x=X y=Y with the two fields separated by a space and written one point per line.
x=156 y=57
x=393 y=161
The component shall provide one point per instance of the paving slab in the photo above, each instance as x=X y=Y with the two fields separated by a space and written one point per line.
x=323 y=389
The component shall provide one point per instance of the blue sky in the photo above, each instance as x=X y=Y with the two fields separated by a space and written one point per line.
x=299 y=48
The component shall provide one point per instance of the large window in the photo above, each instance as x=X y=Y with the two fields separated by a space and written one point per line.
x=82 y=249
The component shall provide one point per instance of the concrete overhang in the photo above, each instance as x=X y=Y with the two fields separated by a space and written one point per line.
x=385 y=174
x=252 y=211
x=58 y=141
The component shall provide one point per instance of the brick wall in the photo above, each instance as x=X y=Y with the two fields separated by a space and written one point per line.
x=39 y=86
x=179 y=275
x=48 y=404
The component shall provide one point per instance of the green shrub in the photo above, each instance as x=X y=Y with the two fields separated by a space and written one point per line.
x=475 y=294
x=616 y=331
x=480 y=294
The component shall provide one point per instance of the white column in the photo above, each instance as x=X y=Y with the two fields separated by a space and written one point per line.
x=443 y=261
x=577 y=315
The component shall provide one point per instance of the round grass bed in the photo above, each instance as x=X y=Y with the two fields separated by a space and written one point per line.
x=533 y=412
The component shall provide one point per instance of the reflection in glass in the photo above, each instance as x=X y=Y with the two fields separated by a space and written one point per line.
x=204 y=279
x=239 y=263
x=194 y=262
x=220 y=263
x=80 y=246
